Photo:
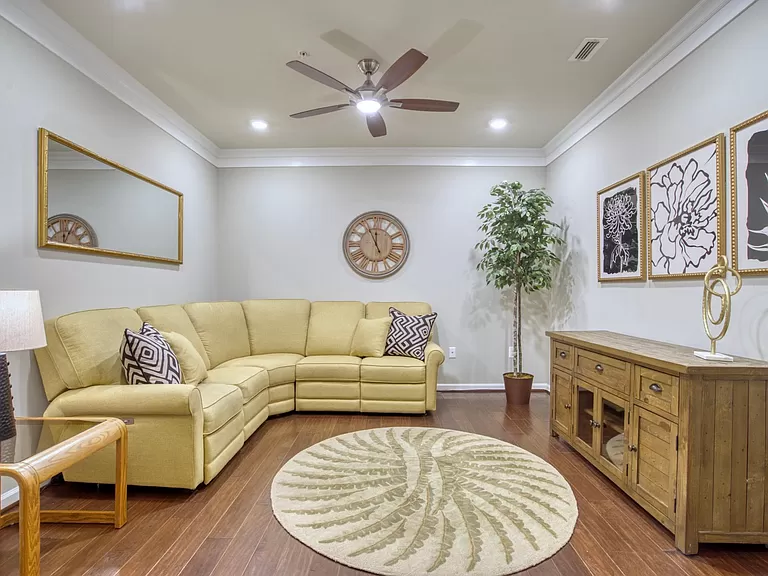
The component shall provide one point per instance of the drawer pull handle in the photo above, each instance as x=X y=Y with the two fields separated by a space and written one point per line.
x=599 y=368
x=655 y=387
x=632 y=448
x=567 y=406
x=563 y=354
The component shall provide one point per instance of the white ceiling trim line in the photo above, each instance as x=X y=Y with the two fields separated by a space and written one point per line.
x=702 y=22
x=307 y=157
x=42 y=24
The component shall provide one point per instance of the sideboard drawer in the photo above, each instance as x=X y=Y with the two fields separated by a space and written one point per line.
x=657 y=389
x=605 y=370
x=563 y=355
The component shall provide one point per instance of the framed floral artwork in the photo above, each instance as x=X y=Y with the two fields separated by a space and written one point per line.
x=621 y=230
x=685 y=211
x=749 y=195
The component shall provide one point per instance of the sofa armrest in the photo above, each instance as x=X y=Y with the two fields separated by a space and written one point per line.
x=434 y=357
x=434 y=354
x=127 y=401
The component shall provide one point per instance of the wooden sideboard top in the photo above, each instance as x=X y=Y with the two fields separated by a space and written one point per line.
x=671 y=356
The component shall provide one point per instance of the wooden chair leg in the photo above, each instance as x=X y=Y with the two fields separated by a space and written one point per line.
x=29 y=525
x=121 y=480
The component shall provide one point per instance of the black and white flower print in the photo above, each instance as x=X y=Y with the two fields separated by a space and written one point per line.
x=684 y=217
x=620 y=233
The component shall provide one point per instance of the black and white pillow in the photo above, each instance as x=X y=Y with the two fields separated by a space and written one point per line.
x=409 y=335
x=148 y=359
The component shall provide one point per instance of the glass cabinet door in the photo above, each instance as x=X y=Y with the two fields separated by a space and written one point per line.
x=586 y=424
x=612 y=439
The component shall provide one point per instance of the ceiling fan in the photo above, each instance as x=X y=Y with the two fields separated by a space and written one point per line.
x=370 y=98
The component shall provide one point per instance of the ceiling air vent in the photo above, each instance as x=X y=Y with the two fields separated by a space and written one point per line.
x=587 y=49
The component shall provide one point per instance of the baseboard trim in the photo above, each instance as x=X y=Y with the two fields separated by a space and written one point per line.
x=9 y=498
x=492 y=387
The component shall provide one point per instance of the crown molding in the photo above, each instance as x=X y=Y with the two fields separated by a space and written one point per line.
x=702 y=22
x=307 y=157
x=46 y=27
x=43 y=25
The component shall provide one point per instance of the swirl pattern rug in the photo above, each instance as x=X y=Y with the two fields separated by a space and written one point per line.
x=414 y=501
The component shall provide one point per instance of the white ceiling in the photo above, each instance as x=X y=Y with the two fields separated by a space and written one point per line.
x=221 y=64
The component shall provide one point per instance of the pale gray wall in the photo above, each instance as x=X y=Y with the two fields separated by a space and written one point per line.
x=280 y=235
x=721 y=84
x=38 y=89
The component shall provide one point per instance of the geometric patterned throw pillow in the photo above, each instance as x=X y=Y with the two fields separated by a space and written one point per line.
x=148 y=359
x=409 y=335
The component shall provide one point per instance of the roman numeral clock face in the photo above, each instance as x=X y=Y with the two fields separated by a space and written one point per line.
x=376 y=244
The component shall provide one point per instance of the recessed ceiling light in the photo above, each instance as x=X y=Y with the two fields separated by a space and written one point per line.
x=259 y=125
x=498 y=123
x=368 y=106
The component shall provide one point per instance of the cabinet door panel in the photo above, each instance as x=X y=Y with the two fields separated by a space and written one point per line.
x=585 y=418
x=612 y=441
x=562 y=403
x=654 y=460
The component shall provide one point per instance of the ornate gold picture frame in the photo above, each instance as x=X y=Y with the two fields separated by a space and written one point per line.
x=621 y=231
x=685 y=200
x=749 y=196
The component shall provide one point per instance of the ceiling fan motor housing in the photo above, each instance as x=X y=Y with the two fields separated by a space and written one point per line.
x=368 y=66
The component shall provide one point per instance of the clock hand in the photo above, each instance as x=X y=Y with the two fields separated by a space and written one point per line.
x=373 y=235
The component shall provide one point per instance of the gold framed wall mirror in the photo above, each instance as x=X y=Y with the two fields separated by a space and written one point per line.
x=89 y=204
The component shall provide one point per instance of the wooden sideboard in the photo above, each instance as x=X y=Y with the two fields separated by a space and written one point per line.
x=687 y=439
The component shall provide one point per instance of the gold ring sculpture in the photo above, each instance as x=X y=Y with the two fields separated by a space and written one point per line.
x=716 y=277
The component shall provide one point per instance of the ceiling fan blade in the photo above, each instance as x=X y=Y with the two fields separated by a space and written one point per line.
x=318 y=111
x=405 y=67
x=453 y=41
x=350 y=46
x=319 y=76
x=425 y=105
x=376 y=125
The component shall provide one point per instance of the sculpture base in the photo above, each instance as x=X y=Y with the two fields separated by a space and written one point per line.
x=713 y=357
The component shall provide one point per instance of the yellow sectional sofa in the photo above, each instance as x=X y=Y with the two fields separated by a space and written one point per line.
x=264 y=357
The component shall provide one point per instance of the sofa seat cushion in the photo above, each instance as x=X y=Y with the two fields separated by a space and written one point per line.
x=221 y=403
x=250 y=379
x=281 y=367
x=329 y=368
x=394 y=370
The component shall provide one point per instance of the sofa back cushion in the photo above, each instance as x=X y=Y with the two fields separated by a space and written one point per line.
x=173 y=318
x=85 y=346
x=332 y=326
x=221 y=328
x=277 y=326
x=381 y=310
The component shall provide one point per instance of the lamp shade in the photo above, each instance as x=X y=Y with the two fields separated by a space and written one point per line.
x=21 y=321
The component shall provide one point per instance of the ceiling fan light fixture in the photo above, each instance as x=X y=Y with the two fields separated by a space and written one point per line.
x=498 y=123
x=368 y=106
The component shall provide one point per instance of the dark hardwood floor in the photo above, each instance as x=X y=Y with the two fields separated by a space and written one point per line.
x=227 y=528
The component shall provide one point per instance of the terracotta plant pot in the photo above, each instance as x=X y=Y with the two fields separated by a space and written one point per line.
x=518 y=387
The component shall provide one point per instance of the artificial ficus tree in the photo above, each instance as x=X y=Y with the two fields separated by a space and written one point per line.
x=517 y=251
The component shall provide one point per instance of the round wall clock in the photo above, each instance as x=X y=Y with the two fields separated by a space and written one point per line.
x=376 y=244
x=71 y=229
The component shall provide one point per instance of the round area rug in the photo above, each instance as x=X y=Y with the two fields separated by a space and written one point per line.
x=414 y=501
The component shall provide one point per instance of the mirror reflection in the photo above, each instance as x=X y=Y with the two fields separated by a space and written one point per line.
x=96 y=205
